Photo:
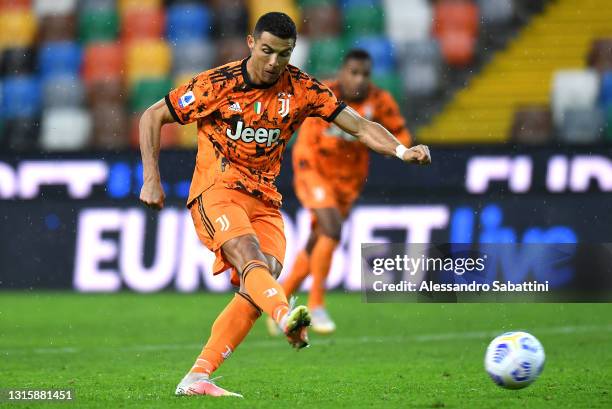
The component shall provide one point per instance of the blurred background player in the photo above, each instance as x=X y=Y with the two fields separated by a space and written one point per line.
x=330 y=168
x=246 y=113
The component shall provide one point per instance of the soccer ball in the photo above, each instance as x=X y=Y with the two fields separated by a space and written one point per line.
x=514 y=360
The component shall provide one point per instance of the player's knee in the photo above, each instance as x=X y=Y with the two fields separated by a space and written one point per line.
x=274 y=266
x=243 y=249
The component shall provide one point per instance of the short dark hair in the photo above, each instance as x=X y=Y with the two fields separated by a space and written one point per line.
x=276 y=23
x=357 y=54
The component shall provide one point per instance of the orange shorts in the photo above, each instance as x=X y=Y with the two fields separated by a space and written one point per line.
x=314 y=191
x=221 y=214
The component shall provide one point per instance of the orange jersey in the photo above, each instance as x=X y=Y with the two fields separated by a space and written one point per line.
x=243 y=128
x=337 y=155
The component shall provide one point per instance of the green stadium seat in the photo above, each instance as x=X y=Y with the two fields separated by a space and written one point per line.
x=359 y=21
x=325 y=57
x=315 y=3
x=98 y=25
x=148 y=91
x=392 y=83
x=608 y=128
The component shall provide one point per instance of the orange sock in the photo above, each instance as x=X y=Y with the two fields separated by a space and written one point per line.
x=298 y=273
x=264 y=290
x=228 y=331
x=320 y=262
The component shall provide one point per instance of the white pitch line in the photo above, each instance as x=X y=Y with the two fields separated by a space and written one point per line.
x=276 y=342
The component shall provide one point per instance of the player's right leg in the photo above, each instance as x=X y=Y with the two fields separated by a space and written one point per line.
x=258 y=281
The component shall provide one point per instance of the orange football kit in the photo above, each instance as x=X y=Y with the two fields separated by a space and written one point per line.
x=243 y=130
x=331 y=166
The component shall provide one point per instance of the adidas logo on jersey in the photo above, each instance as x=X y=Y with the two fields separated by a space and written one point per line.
x=248 y=134
x=235 y=107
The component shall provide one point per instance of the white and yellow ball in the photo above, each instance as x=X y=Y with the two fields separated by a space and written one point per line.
x=514 y=360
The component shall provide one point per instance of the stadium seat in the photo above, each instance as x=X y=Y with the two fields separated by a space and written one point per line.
x=187 y=22
x=299 y=56
x=102 y=61
x=65 y=129
x=344 y=4
x=363 y=20
x=20 y=97
x=532 y=125
x=18 y=28
x=110 y=129
x=315 y=3
x=148 y=91
x=573 y=89
x=393 y=83
x=96 y=5
x=427 y=50
x=458 y=47
x=380 y=48
x=320 y=21
x=147 y=59
x=408 y=20
x=54 y=7
x=421 y=78
x=62 y=57
x=582 y=126
x=230 y=20
x=139 y=24
x=600 y=55
x=258 y=8
x=126 y=6
x=15 y=4
x=17 y=61
x=63 y=91
x=103 y=91
x=606 y=89
x=496 y=12
x=325 y=57
x=21 y=134
x=193 y=56
x=608 y=128
x=231 y=49
x=455 y=15
x=97 y=25
x=57 y=27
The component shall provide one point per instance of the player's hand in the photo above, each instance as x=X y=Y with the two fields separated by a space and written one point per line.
x=152 y=194
x=418 y=154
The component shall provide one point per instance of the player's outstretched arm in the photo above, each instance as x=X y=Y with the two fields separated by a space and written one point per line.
x=151 y=122
x=377 y=138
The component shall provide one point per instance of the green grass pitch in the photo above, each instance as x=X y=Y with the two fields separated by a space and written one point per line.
x=129 y=351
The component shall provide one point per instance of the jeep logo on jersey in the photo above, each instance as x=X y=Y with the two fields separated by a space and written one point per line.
x=248 y=134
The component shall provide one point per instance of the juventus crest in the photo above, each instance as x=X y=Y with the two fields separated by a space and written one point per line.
x=283 y=100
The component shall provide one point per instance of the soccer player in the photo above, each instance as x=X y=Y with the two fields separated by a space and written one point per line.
x=246 y=112
x=330 y=168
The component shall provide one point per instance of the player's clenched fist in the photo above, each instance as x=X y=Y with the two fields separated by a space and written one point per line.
x=417 y=154
x=152 y=194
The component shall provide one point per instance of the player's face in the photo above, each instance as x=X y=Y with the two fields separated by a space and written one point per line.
x=354 y=78
x=270 y=55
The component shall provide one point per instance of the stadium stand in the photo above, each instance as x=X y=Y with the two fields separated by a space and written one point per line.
x=464 y=71
x=531 y=72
